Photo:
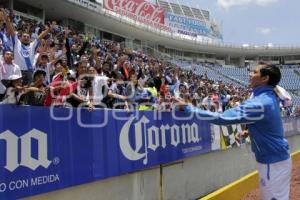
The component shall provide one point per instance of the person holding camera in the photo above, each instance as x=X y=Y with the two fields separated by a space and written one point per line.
x=82 y=94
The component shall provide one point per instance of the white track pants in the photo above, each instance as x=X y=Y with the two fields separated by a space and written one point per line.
x=275 y=180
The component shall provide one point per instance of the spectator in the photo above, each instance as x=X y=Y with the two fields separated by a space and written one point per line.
x=117 y=94
x=149 y=96
x=8 y=68
x=15 y=90
x=24 y=49
x=43 y=64
x=81 y=95
x=165 y=102
x=99 y=88
x=109 y=60
x=36 y=97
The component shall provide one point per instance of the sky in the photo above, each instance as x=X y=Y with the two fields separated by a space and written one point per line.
x=256 y=22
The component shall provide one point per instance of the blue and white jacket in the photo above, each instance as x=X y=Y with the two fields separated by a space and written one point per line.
x=262 y=114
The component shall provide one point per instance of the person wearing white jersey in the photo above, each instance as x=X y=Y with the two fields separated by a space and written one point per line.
x=24 y=49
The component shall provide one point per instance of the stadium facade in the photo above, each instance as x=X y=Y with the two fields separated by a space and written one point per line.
x=200 y=40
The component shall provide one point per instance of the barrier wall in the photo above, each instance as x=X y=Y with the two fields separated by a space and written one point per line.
x=186 y=180
x=243 y=186
x=44 y=150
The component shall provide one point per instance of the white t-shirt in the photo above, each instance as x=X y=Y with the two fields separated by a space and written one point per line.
x=11 y=97
x=24 y=55
x=9 y=69
x=36 y=59
x=98 y=84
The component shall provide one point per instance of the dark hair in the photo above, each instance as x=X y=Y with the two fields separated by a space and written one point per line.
x=150 y=82
x=59 y=61
x=118 y=76
x=23 y=33
x=39 y=72
x=273 y=72
x=45 y=56
x=7 y=50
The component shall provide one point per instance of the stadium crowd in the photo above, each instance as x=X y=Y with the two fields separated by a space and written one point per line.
x=51 y=65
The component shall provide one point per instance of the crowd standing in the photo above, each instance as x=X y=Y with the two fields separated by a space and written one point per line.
x=51 y=65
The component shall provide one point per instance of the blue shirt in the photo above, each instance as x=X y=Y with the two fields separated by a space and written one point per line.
x=262 y=114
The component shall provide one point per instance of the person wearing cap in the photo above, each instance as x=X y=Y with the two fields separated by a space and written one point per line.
x=15 y=90
x=262 y=115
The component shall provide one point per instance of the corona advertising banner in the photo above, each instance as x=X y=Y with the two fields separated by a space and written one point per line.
x=44 y=149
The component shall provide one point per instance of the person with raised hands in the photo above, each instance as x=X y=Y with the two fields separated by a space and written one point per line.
x=24 y=49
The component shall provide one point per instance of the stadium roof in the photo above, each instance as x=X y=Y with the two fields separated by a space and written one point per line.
x=130 y=29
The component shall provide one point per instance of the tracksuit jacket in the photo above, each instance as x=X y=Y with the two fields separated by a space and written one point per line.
x=262 y=114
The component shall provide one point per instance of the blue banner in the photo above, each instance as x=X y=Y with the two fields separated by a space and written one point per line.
x=43 y=149
x=192 y=27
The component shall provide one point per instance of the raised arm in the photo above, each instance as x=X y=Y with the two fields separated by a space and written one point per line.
x=248 y=112
x=9 y=26
x=45 y=32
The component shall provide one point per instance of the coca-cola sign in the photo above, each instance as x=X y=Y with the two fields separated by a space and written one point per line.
x=138 y=10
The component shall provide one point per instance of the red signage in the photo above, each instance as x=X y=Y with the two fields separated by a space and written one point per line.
x=139 y=10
